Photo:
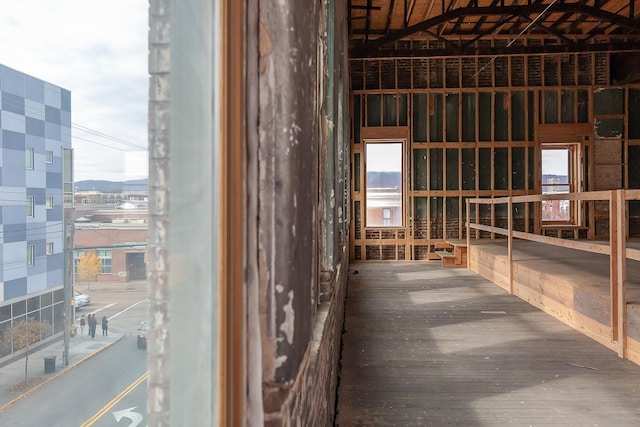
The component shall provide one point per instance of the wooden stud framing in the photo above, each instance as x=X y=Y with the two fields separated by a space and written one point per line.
x=533 y=105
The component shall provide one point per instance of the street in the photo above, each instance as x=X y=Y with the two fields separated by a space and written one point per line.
x=109 y=388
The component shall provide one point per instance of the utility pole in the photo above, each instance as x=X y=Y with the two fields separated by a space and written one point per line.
x=68 y=288
x=68 y=215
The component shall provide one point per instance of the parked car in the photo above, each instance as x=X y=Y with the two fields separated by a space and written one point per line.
x=143 y=329
x=80 y=299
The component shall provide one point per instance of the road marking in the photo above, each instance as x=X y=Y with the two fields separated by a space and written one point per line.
x=103 y=308
x=114 y=401
x=131 y=306
x=135 y=417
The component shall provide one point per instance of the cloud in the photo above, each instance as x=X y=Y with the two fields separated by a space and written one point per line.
x=98 y=51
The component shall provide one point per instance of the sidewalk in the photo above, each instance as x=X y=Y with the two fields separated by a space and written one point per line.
x=80 y=349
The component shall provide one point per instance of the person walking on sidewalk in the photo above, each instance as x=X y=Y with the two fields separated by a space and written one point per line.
x=105 y=326
x=93 y=323
x=83 y=322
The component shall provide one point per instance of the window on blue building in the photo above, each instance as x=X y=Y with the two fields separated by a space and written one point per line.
x=28 y=153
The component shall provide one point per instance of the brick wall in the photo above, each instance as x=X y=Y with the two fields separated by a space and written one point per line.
x=310 y=399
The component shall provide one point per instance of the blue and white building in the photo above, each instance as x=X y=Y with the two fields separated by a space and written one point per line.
x=36 y=183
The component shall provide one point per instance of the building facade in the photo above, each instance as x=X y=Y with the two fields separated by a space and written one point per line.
x=36 y=182
x=117 y=235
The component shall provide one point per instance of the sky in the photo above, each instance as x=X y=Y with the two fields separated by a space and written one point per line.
x=555 y=162
x=384 y=157
x=99 y=52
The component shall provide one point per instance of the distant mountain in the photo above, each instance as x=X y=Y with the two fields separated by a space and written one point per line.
x=112 y=186
x=384 y=179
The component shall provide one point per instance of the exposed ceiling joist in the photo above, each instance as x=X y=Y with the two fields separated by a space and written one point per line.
x=572 y=24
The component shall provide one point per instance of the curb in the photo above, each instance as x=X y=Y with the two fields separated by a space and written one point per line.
x=62 y=371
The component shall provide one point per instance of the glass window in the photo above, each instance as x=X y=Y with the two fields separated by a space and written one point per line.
x=49 y=248
x=383 y=163
x=77 y=254
x=50 y=202
x=30 y=206
x=557 y=177
x=28 y=152
x=49 y=156
x=31 y=255
x=105 y=256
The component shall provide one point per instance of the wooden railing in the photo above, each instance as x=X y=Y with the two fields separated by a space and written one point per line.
x=616 y=248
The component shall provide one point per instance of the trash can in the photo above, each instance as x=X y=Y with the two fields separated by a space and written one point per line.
x=49 y=364
x=73 y=330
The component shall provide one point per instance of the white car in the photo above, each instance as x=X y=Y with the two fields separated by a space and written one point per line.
x=80 y=299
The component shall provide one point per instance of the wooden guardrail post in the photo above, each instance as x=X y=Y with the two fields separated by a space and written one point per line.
x=468 y=224
x=617 y=240
x=510 y=243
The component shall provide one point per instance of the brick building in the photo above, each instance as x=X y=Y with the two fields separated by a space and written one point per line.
x=118 y=236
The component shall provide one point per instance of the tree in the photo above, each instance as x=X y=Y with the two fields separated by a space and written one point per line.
x=22 y=335
x=89 y=267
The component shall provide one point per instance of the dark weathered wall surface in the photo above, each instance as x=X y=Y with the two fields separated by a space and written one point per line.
x=303 y=175
x=289 y=181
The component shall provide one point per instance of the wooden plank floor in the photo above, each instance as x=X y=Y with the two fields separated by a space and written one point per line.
x=426 y=346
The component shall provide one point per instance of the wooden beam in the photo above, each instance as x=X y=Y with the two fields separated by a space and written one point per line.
x=537 y=8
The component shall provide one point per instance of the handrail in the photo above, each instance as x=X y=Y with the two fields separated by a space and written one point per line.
x=616 y=248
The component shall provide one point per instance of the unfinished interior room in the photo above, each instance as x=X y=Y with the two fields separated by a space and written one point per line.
x=503 y=137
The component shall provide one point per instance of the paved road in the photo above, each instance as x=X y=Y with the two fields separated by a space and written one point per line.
x=79 y=394
x=94 y=391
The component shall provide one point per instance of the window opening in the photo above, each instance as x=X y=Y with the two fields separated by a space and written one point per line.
x=30 y=206
x=77 y=254
x=558 y=176
x=28 y=158
x=31 y=255
x=384 y=189
x=105 y=257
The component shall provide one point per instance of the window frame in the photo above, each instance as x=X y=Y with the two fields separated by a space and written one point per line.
x=30 y=206
x=31 y=255
x=29 y=158
x=48 y=155
x=49 y=202
x=77 y=255
x=104 y=255
x=573 y=184
x=365 y=189
x=50 y=248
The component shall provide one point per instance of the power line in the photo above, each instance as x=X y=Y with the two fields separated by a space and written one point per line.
x=39 y=115
x=106 y=136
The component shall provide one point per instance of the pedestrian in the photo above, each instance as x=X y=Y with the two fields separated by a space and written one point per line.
x=83 y=322
x=105 y=326
x=93 y=323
